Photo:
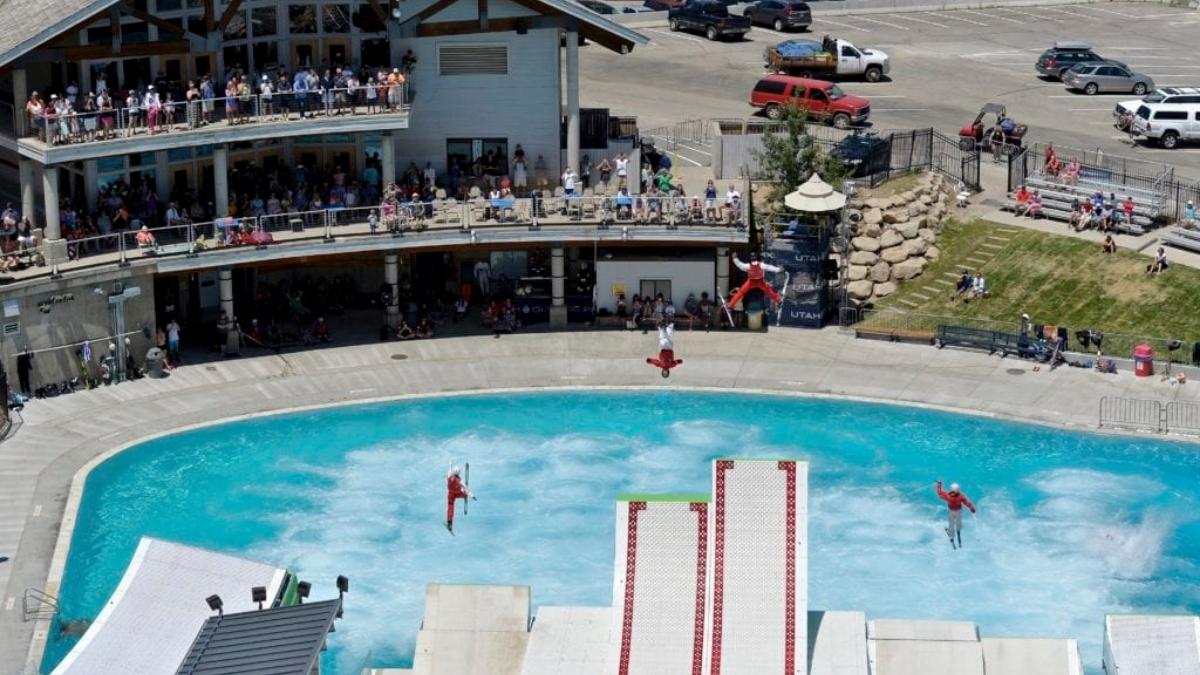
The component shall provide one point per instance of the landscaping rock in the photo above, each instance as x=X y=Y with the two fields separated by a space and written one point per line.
x=860 y=290
x=908 y=196
x=869 y=244
x=932 y=253
x=897 y=200
x=879 y=202
x=891 y=217
x=909 y=268
x=927 y=234
x=857 y=272
x=880 y=271
x=925 y=199
x=863 y=258
x=896 y=254
x=908 y=230
x=890 y=238
x=885 y=289
x=916 y=247
x=870 y=229
x=873 y=216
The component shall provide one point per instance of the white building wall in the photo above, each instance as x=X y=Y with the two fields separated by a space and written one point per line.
x=686 y=276
x=522 y=106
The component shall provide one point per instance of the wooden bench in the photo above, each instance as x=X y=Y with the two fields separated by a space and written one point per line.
x=894 y=334
x=981 y=338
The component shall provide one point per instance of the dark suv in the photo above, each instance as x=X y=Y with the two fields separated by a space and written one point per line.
x=780 y=14
x=1060 y=58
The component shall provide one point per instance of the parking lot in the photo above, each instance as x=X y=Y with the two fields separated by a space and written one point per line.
x=944 y=66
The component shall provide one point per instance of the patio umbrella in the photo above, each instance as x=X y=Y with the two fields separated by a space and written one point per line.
x=815 y=196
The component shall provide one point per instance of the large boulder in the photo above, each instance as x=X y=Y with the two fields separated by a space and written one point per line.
x=860 y=290
x=909 y=229
x=880 y=271
x=927 y=234
x=870 y=229
x=915 y=209
x=909 y=268
x=925 y=199
x=857 y=272
x=915 y=247
x=890 y=238
x=885 y=289
x=908 y=196
x=932 y=253
x=894 y=254
x=892 y=217
x=869 y=244
x=863 y=258
x=879 y=202
x=897 y=200
x=873 y=215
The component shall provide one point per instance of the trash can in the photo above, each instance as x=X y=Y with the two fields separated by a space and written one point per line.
x=1143 y=361
x=754 y=313
x=155 y=358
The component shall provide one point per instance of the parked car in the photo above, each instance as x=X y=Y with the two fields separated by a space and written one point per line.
x=708 y=17
x=1160 y=95
x=1168 y=123
x=821 y=100
x=780 y=14
x=1056 y=61
x=863 y=153
x=598 y=7
x=1094 y=78
x=826 y=59
x=662 y=5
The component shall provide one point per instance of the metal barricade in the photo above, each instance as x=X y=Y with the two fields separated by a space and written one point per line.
x=1132 y=413
x=1182 y=417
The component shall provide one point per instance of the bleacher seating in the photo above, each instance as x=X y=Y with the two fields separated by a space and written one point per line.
x=1057 y=198
x=1183 y=238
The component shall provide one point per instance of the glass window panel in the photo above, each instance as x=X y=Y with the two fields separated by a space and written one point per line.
x=262 y=21
x=236 y=30
x=302 y=19
x=179 y=154
x=168 y=5
x=337 y=18
x=135 y=32
x=236 y=57
x=109 y=164
x=265 y=56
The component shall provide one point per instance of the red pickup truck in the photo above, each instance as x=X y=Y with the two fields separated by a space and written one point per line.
x=822 y=100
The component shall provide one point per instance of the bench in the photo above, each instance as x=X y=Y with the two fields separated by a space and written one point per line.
x=1057 y=209
x=1182 y=238
x=981 y=338
x=894 y=334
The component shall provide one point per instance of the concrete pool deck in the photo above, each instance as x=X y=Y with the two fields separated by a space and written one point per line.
x=39 y=463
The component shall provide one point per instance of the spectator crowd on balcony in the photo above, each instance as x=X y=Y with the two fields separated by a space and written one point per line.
x=72 y=116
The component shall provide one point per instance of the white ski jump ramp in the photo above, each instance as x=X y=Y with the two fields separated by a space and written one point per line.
x=659 y=585
x=759 y=571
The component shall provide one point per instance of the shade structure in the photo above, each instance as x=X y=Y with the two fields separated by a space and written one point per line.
x=815 y=196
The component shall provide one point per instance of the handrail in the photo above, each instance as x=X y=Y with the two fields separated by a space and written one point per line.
x=122 y=120
x=37 y=604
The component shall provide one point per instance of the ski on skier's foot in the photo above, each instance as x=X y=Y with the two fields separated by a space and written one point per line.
x=951 y=535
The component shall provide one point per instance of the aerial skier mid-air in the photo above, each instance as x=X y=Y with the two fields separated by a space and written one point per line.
x=955 y=501
x=455 y=489
x=666 y=349
x=755 y=279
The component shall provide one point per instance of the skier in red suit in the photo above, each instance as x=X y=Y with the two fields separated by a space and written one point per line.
x=666 y=350
x=955 y=500
x=455 y=490
x=755 y=278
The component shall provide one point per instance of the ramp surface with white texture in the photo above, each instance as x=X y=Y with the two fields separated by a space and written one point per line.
x=1152 y=645
x=569 y=641
x=759 y=558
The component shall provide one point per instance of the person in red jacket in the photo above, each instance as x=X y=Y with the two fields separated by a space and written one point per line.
x=666 y=349
x=455 y=490
x=955 y=500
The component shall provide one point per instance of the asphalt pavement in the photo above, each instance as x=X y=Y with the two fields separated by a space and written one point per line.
x=944 y=66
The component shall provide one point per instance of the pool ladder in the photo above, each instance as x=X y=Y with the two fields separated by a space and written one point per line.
x=38 y=604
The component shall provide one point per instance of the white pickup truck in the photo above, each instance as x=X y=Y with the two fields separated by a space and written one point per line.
x=827 y=58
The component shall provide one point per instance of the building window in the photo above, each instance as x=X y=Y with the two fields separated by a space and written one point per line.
x=302 y=19
x=236 y=28
x=490 y=153
x=237 y=57
x=266 y=56
x=262 y=20
x=336 y=18
x=650 y=288
x=168 y=5
x=468 y=59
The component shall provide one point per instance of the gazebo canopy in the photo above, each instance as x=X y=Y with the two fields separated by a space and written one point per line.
x=815 y=196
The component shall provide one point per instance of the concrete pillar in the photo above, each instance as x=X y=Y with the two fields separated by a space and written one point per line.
x=20 y=96
x=573 y=99
x=387 y=158
x=162 y=177
x=558 y=285
x=391 y=277
x=51 y=229
x=28 y=174
x=91 y=182
x=221 y=179
x=723 y=271
x=225 y=279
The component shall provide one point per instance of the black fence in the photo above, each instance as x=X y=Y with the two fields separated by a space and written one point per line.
x=880 y=156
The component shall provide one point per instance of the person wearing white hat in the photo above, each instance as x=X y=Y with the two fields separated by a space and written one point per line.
x=1189 y=215
x=955 y=501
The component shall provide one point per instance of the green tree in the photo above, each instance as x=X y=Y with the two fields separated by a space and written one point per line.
x=788 y=158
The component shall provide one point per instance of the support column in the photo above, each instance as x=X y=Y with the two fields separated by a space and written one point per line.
x=162 y=177
x=387 y=159
x=51 y=229
x=573 y=99
x=558 y=285
x=20 y=96
x=723 y=271
x=28 y=174
x=225 y=282
x=391 y=277
x=91 y=183
x=221 y=180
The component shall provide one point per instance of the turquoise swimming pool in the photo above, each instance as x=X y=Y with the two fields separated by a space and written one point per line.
x=1070 y=525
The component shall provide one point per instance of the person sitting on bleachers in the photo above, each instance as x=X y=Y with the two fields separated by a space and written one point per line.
x=1108 y=216
x=1071 y=175
x=1076 y=220
x=1022 y=201
x=1034 y=208
x=1051 y=165
x=1127 y=210
x=1026 y=206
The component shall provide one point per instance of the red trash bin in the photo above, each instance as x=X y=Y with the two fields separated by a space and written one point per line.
x=1143 y=360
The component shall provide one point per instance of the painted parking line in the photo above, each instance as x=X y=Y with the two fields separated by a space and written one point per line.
x=675 y=36
x=973 y=12
x=910 y=17
x=1067 y=13
x=1031 y=15
x=997 y=15
x=890 y=96
x=952 y=15
x=845 y=25
x=1108 y=109
x=881 y=23
x=878 y=110
x=1109 y=11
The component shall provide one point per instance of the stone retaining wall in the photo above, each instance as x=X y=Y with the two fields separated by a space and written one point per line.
x=895 y=238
